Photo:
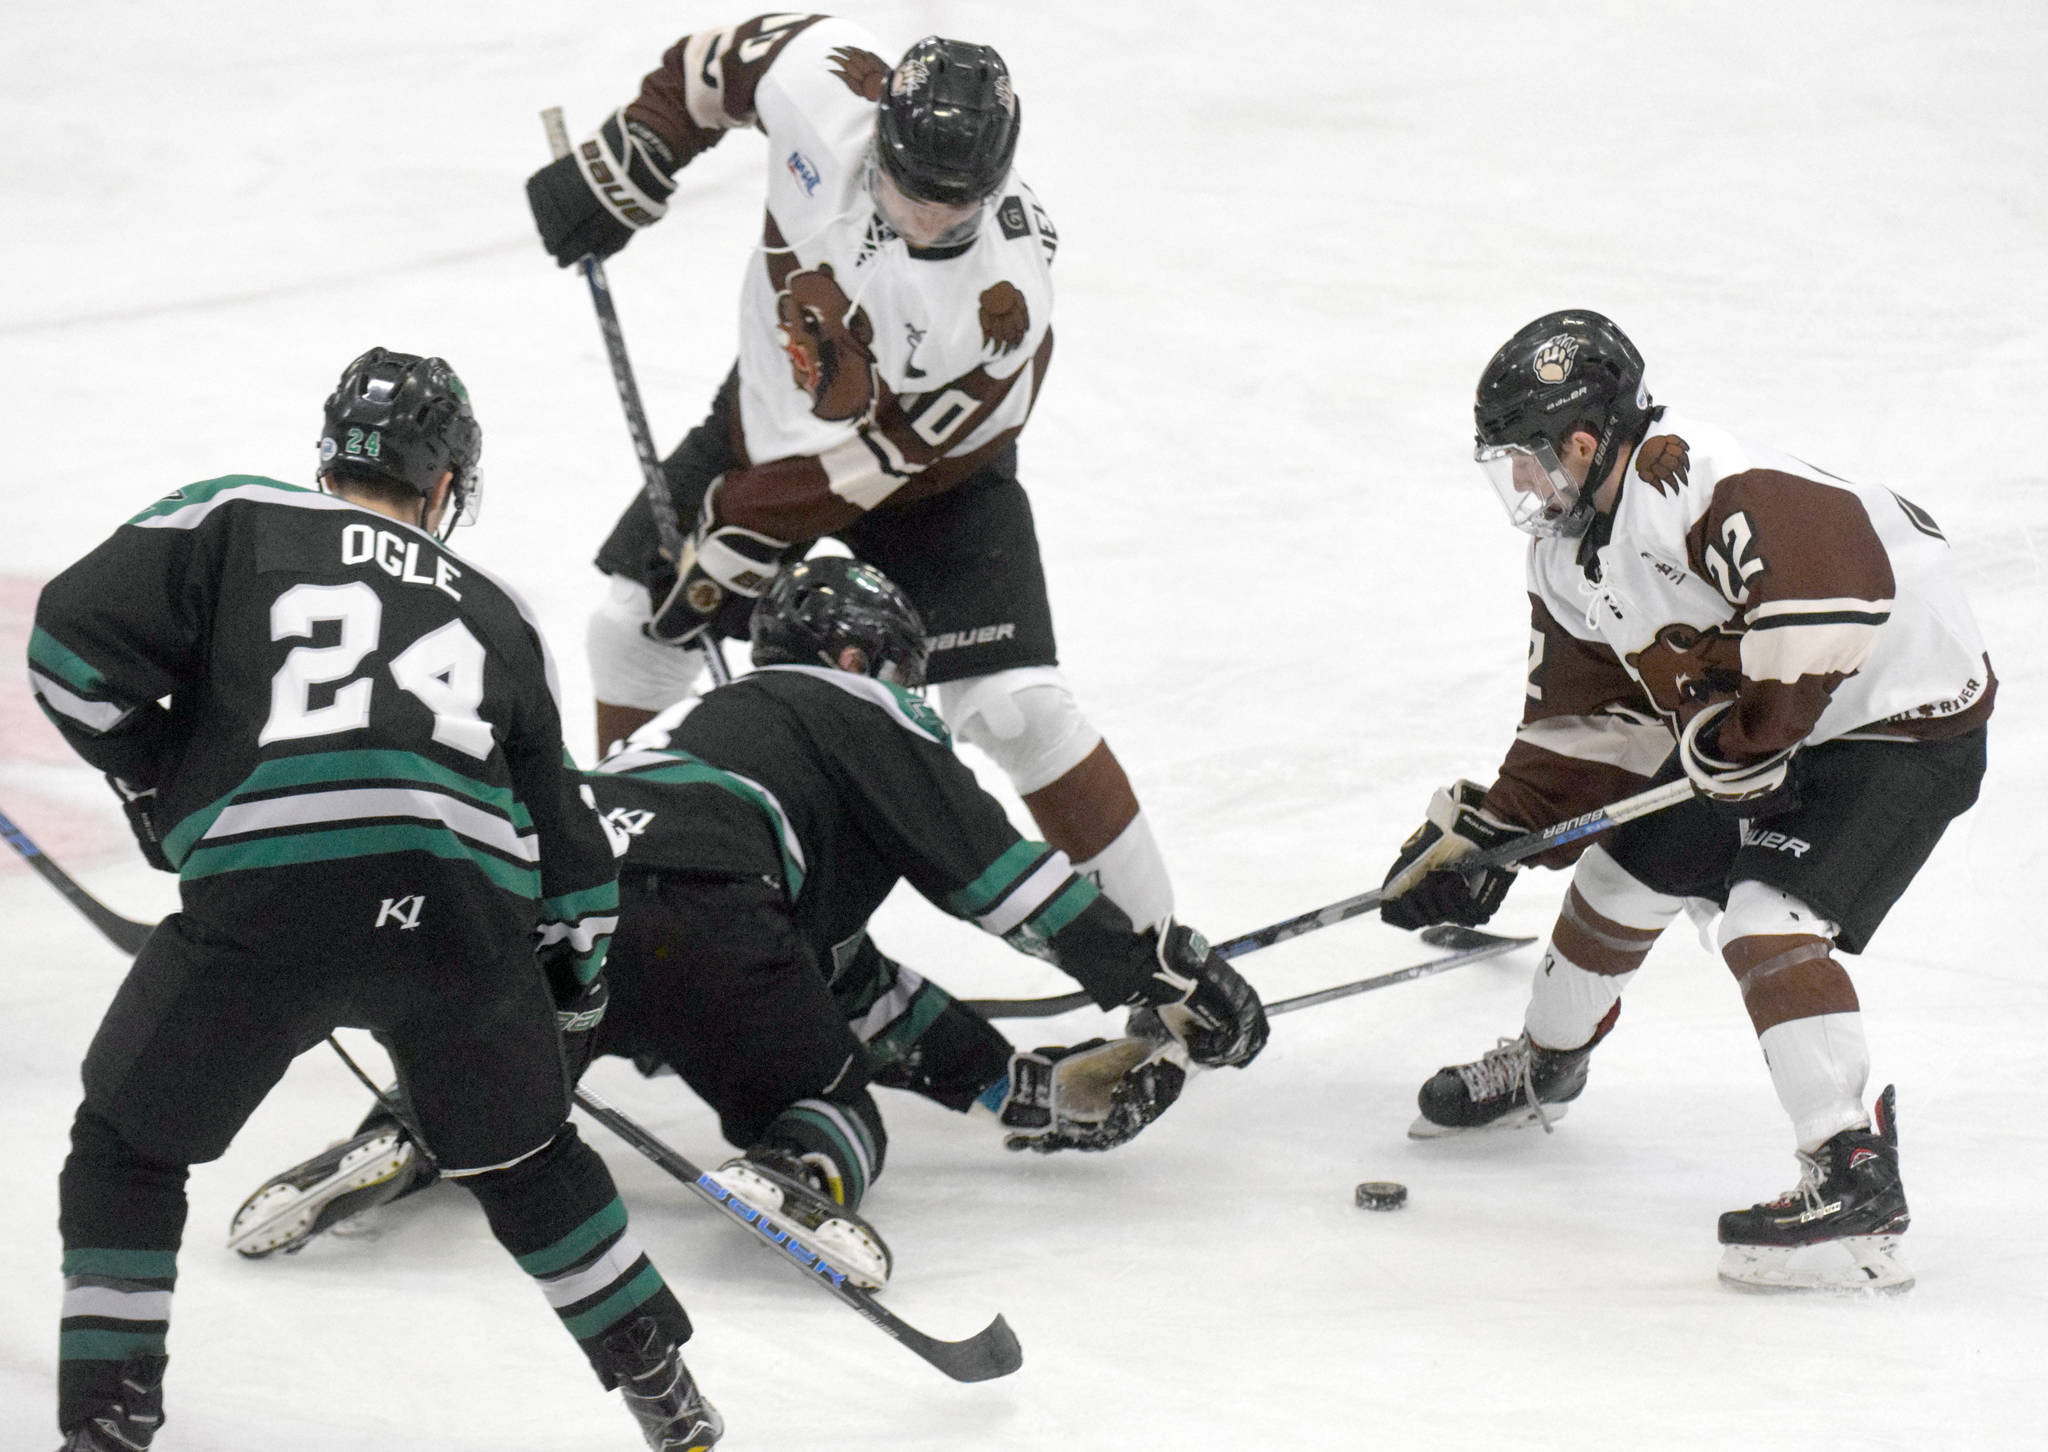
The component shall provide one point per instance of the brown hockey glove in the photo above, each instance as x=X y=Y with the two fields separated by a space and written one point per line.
x=1424 y=886
x=591 y=202
x=724 y=569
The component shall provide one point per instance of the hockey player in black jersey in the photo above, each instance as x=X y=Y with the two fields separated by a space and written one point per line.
x=760 y=828
x=359 y=778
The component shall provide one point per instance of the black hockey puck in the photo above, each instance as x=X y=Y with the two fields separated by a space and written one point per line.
x=1380 y=1195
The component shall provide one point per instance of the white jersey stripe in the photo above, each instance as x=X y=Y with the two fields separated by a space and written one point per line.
x=354 y=804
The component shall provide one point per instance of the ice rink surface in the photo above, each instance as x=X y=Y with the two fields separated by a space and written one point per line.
x=1291 y=234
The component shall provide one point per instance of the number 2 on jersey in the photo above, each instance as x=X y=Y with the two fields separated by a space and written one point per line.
x=443 y=669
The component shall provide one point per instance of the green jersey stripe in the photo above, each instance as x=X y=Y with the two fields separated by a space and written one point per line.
x=996 y=879
x=335 y=845
x=66 y=664
x=1042 y=927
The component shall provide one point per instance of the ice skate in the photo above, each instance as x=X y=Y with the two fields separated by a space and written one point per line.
x=673 y=1414
x=1511 y=1086
x=341 y=1181
x=130 y=1424
x=792 y=1196
x=1838 y=1229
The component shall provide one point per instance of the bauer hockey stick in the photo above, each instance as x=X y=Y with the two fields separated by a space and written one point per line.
x=659 y=502
x=1572 y=829
x=991 y=1352
x=124 y=933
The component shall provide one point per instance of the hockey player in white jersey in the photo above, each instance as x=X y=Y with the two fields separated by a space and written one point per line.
x=1804 y=643
x=895 y=327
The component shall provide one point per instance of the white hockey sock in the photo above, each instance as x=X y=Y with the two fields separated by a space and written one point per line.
x=1566 y=1003
x=1819 y=1066
x=1132 y=874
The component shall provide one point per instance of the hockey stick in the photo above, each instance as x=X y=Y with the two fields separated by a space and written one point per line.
x=659 y=502
x=991 y=1352
x=124 y=933
x=1572 y=829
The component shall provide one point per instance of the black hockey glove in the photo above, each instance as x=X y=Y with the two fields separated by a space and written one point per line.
x=591 y=202
x=721 y=566
x=1424 y=885
x=140 y=805
x=578 y=1011
x=1751 y=790
x=1201 y=1000
x=1093 y=1096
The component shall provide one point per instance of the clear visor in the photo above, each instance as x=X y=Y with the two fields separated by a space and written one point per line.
x=1534 y=486
x=923 y=224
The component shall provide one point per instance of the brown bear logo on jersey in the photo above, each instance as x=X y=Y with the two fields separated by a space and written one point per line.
x=1004 y=318
x=830 y=344
x=1665 y=462
x=863 y=71
x=1686 y=669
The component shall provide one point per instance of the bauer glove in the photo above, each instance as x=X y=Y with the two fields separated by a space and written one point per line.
x=578 y=1012
x=1746 y=789
x=591 y=202
x=1093 y=1096
x=1200 y=1000
x=722 y=566
x=1424 y=885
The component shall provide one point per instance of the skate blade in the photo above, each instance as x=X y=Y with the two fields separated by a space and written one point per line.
x=1852 y=1265
x=296 y=1206
x=1522 y=1118
x=842 y=1240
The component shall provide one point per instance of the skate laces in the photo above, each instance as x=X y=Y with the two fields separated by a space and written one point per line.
x=1813 y=1173
x=1508 y=1068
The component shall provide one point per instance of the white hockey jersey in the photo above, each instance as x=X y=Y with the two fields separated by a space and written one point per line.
x=867 y=370
x=1827 y=608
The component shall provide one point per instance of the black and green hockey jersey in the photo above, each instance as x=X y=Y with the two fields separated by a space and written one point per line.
x=840 y=786
x=354 y=735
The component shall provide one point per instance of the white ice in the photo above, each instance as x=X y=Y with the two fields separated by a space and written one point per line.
x=1291 y=235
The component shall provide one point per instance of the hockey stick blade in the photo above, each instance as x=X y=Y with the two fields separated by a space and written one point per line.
x=989 y=1353
x=124 y=933
x=1467 y=945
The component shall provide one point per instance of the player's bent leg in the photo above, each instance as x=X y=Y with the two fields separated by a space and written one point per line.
x=807 y=1175
x=1027 y=721
x=1605 y=928
x=633 y=677
x=919 y=1036
x=556 y=1210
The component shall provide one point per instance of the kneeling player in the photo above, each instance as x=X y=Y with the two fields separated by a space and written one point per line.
x=760 y=828
x=1808 y=648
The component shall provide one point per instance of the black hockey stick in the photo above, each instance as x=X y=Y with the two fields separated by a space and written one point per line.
x=659 y=502
x=991 y=1352
x=1573 y=829
x=124 y=933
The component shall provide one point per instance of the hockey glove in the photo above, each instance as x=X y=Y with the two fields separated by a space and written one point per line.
x=1201 y=1000
x=1424 y=885
x=720 y=564
x=591 y=202
x=1748 y=789
x=1093 y=1096
x=140 y=805
x=577 y=1014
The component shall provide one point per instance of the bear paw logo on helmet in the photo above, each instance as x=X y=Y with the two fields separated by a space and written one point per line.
x=1554 y=359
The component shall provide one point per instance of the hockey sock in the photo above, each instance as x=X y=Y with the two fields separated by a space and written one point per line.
x=923 y=1040
x=1132 y=874
x=843 y=1137
x=122 y=1217
x=559 y=1214
x=1819 y=1066
x=1605 y=928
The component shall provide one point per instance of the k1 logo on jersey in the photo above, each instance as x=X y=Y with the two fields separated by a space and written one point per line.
x=405 y=911
x=623 y=824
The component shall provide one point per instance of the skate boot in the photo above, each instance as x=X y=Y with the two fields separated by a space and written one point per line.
x=346 y=1179
x=649 y=1370
x=1838 y=1229
x=130 y=1424
x=795 y=1197
x=1511 y=1086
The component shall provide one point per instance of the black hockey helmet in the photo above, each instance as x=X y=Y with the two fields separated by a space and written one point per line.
x=948 y=124
x=407 y=420
x=1564 y=372
x=816 y=608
